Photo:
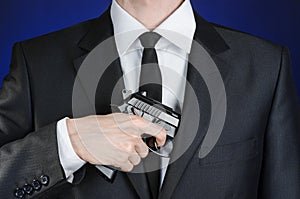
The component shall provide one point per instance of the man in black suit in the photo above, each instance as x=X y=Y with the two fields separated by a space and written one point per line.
x=43 y=155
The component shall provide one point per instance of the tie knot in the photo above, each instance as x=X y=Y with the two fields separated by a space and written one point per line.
x=149 y=39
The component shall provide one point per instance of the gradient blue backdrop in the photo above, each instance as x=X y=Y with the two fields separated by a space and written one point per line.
x=275 y=20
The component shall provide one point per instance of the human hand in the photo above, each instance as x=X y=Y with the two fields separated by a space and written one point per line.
x=113 y=140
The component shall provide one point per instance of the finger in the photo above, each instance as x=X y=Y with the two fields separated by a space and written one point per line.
x=141 y=148
x=147 y=127
x=131 y=131
x=126 y=166
x=158 y=132
x=120 y=118
x=134 y=158
x=161 y=137
x=137 y=121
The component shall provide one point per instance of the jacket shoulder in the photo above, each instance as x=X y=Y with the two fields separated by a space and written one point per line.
x=60 y=37
x=235 y=38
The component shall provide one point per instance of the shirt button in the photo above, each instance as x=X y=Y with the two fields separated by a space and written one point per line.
x=19 y=193
x=44 y=180
x=36 y=185
x=28 y=189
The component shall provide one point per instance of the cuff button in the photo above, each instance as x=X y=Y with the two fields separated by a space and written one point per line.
x=44 y=180
x=19 y=193
x=28 y=189
x=36 y=185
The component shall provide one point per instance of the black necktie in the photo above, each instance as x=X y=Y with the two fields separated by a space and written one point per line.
x=151 y=83
x=150 y=79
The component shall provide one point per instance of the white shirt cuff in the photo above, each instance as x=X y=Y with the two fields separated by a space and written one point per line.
x=67 y=156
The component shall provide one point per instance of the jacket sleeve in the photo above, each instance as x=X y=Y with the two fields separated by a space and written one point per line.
x=29 y=162
x=280 y=177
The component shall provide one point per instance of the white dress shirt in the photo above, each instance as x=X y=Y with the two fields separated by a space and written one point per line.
x=172 y=49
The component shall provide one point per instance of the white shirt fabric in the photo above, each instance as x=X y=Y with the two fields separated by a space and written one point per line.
x=172 y=49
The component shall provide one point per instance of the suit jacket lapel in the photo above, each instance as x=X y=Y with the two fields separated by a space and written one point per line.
x=214 y=44
x=109 y=90
x=100 y=30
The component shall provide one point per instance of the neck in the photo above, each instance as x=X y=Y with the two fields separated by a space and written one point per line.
x=151 y=13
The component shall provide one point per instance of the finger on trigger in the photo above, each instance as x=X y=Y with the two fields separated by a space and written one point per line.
x=160 y=134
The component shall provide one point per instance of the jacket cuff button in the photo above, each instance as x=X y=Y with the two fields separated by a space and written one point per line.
x=28 y=189
x=19 y=193
x=44 y=180
x=36 y=185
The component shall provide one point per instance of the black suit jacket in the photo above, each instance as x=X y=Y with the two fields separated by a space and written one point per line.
x=256 y=156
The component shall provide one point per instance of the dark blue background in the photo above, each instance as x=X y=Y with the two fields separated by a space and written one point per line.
x=275 y=20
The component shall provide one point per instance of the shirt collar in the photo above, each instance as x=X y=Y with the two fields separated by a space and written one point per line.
x=179 y=28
